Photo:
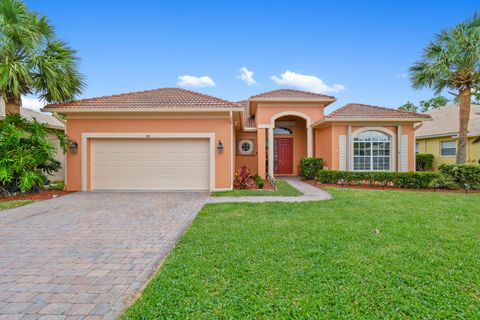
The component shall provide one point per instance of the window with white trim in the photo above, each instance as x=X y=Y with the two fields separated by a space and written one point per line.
x=417 y=147
x=245 y=147
x=448 y=148
x=371 y=151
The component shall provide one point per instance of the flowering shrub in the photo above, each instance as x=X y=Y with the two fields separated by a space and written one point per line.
x=242 y=176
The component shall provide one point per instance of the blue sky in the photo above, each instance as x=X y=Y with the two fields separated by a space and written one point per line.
x=358 y=51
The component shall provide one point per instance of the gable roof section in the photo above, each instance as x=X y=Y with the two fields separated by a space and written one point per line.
x=364 y=111
x=50 y=121
x=170 y=99
x=445 y=122
x=290 y=94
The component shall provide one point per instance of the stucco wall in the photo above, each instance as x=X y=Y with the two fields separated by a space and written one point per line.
x=265 y=112
x=432 y=146
x=135 y=124
x=327 y=142
x=59 y=156
x=251 y=161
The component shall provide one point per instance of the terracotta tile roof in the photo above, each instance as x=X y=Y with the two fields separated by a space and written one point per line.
x=365 y=111
x=445 y=122
x=290 y=94
x=164 y=98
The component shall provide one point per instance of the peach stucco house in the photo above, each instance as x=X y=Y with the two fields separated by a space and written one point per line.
x=176 y=139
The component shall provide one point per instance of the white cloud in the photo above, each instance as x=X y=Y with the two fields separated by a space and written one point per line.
x=247 y=76
x=401 y=75
x=32 y=104
x=306 y=82
x=195 y=82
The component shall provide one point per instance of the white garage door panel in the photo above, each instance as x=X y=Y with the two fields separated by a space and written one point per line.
x=150 y=164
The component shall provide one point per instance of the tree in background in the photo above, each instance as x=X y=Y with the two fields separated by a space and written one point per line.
x=425 y=105
x=452 y=61
x=410 y=107
x=433 y=103
x=33 y=60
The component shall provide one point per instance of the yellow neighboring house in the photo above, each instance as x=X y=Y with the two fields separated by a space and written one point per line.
x=440 y=136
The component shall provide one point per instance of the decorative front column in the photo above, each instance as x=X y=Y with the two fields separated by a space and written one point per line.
x=261 y=154
x=309 y=142
x=271 y=146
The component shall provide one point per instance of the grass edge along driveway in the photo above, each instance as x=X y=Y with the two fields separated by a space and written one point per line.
x=13 y=204
x=364 y=254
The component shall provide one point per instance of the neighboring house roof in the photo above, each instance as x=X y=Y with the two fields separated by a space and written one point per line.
x=446 y=121
x=290 y=94
x=158 y=99
x=364 y=111
x=50 y=121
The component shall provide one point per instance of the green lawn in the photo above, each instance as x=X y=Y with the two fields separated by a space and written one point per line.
x=282 y=189
x=325 y=260
x=13 y=204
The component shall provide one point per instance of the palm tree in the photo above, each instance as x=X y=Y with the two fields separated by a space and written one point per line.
x=452 y=61
x=32 y=60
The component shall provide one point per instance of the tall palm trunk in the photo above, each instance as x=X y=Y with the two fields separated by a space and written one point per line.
x=12 y=105
x=465 y=96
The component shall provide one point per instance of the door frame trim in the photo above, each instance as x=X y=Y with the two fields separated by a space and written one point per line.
x=86 y=152
x=293 y=144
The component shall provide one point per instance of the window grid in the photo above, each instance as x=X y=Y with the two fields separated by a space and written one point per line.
x=371 y=151
x=448 y=148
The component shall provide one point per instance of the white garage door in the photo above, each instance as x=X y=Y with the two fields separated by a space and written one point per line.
x=150 y=164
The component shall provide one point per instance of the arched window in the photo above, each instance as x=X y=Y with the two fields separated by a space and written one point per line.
x=283 y=130
x=371 y=151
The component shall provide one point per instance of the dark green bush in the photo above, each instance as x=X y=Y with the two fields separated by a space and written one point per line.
x=26 y=154
x=424 y=161
x=466 y=176
x=411 y=180
x=260 y=182
x=309 y=167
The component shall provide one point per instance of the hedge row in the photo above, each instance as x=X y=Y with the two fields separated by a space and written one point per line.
x=410 y=180
x=462 y=176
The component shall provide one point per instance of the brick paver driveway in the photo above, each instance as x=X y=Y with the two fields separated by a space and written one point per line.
x=84 y=255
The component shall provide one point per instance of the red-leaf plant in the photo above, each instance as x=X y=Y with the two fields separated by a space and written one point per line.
x=242 y=177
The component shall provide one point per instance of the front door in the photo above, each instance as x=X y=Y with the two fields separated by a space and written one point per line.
x=283 y=156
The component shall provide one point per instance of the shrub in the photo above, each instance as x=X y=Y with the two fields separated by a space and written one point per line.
x=26 y=154
x=424 y=161
x=260 y=182
x=309 y=167
x=241 y=177
x=443 y=182
x=466 y=176
x=418 y=180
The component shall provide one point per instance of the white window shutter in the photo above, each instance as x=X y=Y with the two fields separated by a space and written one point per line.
x=404 y=153
x=342 y=152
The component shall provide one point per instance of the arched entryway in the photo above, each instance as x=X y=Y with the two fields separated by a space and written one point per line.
x=289 y=140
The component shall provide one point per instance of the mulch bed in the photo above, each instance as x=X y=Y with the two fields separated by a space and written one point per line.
x=253 y=185
x=36 y=196
x=367 y=187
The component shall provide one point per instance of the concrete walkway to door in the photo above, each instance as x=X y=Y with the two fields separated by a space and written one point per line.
x=310 y=193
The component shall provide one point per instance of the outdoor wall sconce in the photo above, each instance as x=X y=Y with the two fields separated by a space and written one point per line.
x=220 y=146
x=73 y=147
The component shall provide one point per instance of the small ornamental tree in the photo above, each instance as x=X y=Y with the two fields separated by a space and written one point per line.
x=26 y=154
